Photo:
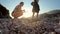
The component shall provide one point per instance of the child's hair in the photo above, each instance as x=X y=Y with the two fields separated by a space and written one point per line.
x=36 y=1
x=32 y=3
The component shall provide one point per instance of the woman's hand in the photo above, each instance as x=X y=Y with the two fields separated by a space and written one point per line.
x=23 y=10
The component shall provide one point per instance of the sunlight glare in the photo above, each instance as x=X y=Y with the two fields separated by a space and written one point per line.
x=27 y=13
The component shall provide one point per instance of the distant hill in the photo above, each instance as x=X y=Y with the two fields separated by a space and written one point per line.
x=52 y=13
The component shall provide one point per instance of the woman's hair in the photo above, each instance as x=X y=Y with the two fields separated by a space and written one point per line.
x=21 y=2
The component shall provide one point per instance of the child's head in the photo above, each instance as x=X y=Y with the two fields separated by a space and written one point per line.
x=36 y=1
x=21 y=3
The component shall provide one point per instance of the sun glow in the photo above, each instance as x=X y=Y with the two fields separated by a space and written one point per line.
x=27 y=13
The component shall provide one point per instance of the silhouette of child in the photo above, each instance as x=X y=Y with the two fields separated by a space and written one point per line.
x=35 y=7
x=17 y=11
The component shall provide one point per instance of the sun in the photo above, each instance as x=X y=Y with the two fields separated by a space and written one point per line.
x=27 y=13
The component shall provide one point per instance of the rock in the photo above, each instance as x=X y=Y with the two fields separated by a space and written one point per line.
x=4 y=13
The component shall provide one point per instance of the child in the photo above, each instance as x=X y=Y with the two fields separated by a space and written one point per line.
x=17 y=11
x=35 y=7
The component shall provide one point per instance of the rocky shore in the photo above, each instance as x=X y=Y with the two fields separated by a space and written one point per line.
x=28 y=26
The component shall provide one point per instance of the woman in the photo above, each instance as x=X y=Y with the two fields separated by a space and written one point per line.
x=17 y=11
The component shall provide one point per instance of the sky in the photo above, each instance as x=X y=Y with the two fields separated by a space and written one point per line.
x=45 y=5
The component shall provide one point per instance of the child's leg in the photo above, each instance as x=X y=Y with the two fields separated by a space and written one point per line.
x=37 y=15
x=33 y=15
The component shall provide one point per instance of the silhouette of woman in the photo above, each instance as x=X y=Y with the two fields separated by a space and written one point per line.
x=17 y=11
x=35 y=7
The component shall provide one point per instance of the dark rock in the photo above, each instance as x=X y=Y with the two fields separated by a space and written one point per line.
x=4 y=13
